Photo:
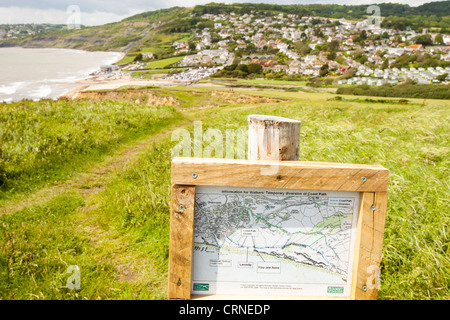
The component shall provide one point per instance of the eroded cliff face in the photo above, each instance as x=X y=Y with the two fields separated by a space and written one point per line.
x=136 y=96
x=185 y=99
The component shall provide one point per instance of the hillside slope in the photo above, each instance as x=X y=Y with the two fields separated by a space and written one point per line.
x=156 y=29
x=143 y=29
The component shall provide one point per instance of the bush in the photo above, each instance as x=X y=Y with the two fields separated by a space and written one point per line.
x=240 y=71
x=254 y=68
x=424 y=91
x=242 y=68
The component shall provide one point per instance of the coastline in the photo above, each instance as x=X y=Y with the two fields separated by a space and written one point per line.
x=57 y=83
x=95 y=83
x=88 y=81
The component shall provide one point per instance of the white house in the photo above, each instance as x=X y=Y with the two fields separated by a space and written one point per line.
x=310 y=58
x=447 y=39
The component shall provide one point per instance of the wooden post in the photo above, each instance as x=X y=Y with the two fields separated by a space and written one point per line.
x=180 y=242
x=273 y=138
x=369 y=245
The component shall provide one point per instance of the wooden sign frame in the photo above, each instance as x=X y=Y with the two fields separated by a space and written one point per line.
x=370 y=180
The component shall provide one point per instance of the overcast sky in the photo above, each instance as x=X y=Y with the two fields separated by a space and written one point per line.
x=97 y=12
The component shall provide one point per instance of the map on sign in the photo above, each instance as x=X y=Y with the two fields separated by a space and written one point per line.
x=273 y=241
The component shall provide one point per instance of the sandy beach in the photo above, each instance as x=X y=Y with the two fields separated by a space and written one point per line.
x=48 y=73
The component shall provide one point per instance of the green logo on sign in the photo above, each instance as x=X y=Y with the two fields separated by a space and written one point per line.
x=201 y=286
x=335 y=290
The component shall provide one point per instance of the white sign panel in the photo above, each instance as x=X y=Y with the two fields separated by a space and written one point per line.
x=273 y=241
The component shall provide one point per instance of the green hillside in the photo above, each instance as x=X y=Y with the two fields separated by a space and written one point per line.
x=155 y=30
x=439 y=8
x=101 y=200
x=152 y=29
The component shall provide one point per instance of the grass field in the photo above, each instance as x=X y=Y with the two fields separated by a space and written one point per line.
x=42 y=143
x=263 y=82
x=157 y=64
x=128 y=58
x=161 y=64
x=150 y=74
x=110 y=215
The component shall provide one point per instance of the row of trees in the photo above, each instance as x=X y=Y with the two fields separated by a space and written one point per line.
x=427 y=40
x=406 y=90
x=419 y=60
x=417 y=23
x=397 y=16
x=240 y=71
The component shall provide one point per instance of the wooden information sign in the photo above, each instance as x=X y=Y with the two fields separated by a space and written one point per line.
x=269 y=229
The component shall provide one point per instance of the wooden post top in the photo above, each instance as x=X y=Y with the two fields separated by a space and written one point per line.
x=273 y=138
x=263 y=117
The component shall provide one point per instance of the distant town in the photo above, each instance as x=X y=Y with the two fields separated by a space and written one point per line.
x=264 y=45
x=14 y=31
x=290 y=47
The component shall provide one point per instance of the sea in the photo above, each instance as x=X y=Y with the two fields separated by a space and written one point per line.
x=29 y=73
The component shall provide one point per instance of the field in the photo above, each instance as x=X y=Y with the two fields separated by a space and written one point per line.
x=43 y=143
x=87 y=183
x=161 y=64
x=261 y=84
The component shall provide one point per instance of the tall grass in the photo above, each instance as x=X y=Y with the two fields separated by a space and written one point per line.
x=43 y=142
x=136 y=203
x=37 y=246
x=123 y=230
x=411 y=141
